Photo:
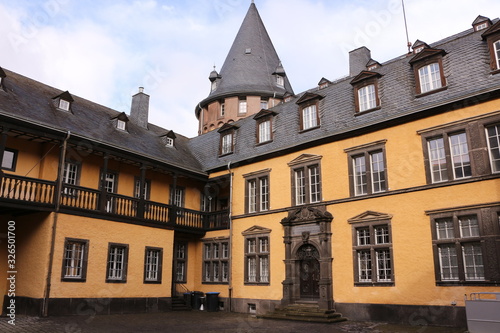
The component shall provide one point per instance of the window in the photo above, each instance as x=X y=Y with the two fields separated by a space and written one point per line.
x=451 y=160
x=227 y=144
x=493 y=139
x=257 y=191
x=213 y=85
x=263 y=104
x=306 y=179
x=461 y=240
x=222 y=109
x=280 y=81
x=496 y=46
x=110 y=184
x=70 y=177
x=367 y=98
x=169 y=142
x=257 y=260
x=367 y=169
x=75 y=260
x=9 y=159
x=137 y=189
x=117 y=263
x=264 y=130
x=120 y=124
x=180 y=261
x=64 y=105
x=153 y=259
x=309 y=117
x=216 y=260
x=429 y=77
x=242 y=106
x=177 y=196
x=373 y=263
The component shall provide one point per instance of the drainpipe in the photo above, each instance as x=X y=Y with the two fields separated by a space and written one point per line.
x=230 y=234
x=57 y=198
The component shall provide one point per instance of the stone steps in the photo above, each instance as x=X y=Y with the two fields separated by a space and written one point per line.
x=178 y=304
x=304 y=312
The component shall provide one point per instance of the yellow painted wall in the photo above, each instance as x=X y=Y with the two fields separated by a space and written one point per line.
x=411 y=229
x=100 y=233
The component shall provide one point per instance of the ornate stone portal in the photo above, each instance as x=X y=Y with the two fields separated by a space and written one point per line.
x=308 y=257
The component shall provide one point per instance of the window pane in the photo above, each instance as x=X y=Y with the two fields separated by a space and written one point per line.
x=152 y=266
x=8 y=160
x=252 y=270
x=207 y=271
x=314 y=184
x=264 y=269
x=225 y=271
x=382 y=234
x=497 y=53
x=252 y=196
x=264 y=194
x=493 y=134
x=448 y=262
x=225 y=250
x=468 y=226
x=227 y=144
x=364 y=266
x=116 y=263
x=359 y=166
x=363 y=236
x=309 y=117
x=73 y=259
x=444 y=228
x=180 y=271
x=251 y=246
x=242 y=106
x=473 y=262
x=263 y=245
x=366 y=98
x=300 y=187
x=460 y=156
x=265 y=131
x=384 y=266
x=430 y=77
x=437 y=160
x=378 y=172
x=207 y=251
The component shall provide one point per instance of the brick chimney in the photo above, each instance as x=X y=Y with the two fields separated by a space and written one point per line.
x=140 y=109
x=358 y=59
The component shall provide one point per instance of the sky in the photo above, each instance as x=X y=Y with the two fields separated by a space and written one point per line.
x=104 y=50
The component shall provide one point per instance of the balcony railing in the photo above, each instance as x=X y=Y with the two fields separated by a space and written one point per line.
x=21 y=190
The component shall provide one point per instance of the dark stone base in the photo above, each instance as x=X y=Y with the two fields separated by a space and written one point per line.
x=414 y=315
x=242 y=305
x=89 y=306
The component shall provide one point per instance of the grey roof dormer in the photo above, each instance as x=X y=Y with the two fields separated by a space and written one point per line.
x=120 y=121
x=63 y=101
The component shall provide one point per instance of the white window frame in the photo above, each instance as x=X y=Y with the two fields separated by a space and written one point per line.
x=64 y=104
x=152 y=265
x=438 y=165
x=222 y=109
x=74 y=262
x=227 y=144
x=242 y=106
x=280 y=81
x=309 y=117
x=430 y=77
x=367 y=98
x=494 y=162
x=257 y=259
x=121 y=125
x=117 y=256
x=265 y=131
x=496 y=47
x=460 y=158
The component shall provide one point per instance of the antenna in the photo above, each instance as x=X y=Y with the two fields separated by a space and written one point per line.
x=406 y=27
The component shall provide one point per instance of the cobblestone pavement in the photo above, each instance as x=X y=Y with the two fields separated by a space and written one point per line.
x=199 y=322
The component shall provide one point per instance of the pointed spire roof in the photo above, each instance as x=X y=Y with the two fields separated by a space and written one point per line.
x=252 y=63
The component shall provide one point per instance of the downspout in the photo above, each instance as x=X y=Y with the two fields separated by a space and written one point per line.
x=57 y=198
x=230 y=234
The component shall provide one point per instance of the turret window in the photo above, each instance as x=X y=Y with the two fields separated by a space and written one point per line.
x=280 y=81
x=242 y=107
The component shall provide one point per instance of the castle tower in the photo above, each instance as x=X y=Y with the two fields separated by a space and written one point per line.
x=252 y=78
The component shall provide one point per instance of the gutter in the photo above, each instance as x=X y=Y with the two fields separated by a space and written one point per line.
x=57 y=198
x=230 y=234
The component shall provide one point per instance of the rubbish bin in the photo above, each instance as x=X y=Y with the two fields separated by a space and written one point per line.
x=196 y=299
x=212 y=302
x=187 y=299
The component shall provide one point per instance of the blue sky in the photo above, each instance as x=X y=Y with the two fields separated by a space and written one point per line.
x=105 y=50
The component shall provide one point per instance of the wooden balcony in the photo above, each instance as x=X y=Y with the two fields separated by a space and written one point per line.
x=25 y=193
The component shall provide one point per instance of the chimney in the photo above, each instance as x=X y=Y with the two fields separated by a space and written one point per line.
x=140 y=108
x=358 y=59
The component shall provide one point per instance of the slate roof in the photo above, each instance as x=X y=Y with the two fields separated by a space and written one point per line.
x=466 y=68
x=251 y=73
x=32 y=102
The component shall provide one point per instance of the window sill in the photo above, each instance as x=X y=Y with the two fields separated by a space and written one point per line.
x=116 y=281
x=466 y=283
x=257 y=284
x=360 y=113
x=431 y=92
x=374 y=284
x=263 y=143
x=496 y=71
x=309 y=129
x=65 y=279
x=157 y=282
x=214 y=282
x=226 y=154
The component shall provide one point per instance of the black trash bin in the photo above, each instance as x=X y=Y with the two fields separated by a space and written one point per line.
x=187 y=299
x=196 y=299
x=212 y=302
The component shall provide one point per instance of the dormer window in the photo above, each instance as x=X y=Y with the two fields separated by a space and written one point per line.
x=308 y=111
x=280 y=81
x=227 y=139
x=418 y=49
x=492 y=37
x=481 y=26
x=323 y=83
x=169 y=139
x=63 y=101
x=365 y=86
x=264 y=126
x=121 y=125
x=428 y=71
x=481 y=23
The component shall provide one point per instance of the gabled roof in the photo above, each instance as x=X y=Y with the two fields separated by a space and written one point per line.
x=495 y=28
x=481 y=19
x=264 y=113
x=250 y=64
x=66 y=96
x=308 y=96
x=426 y=53
x=365 y=75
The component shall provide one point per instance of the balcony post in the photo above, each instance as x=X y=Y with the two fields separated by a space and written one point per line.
x=3 y=142
x=103 y=192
